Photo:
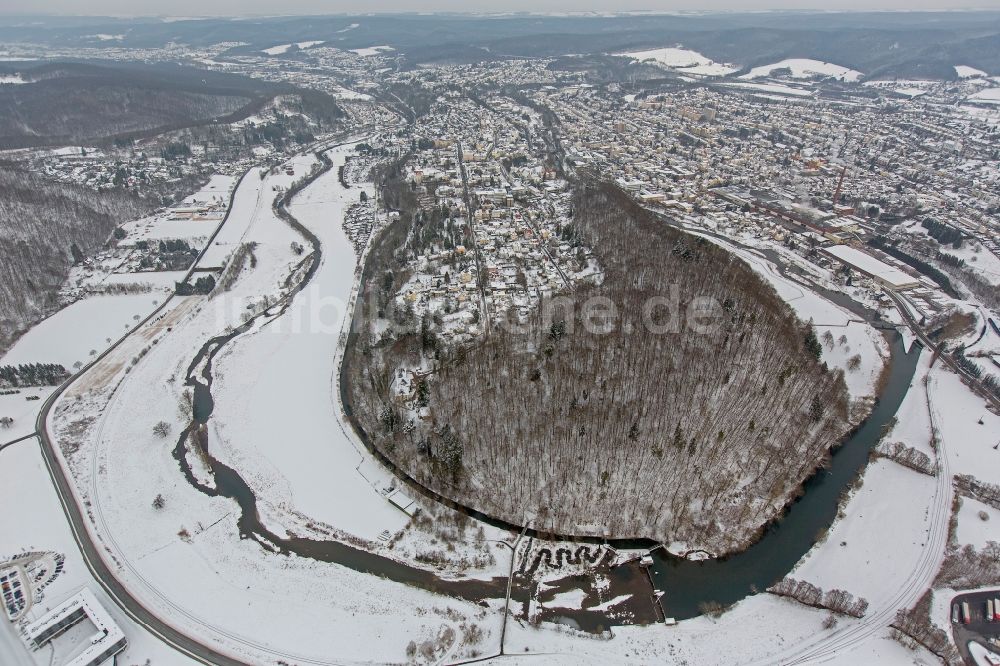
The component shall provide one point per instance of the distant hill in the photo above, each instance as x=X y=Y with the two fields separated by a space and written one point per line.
x=880 y=44
x=74 y=102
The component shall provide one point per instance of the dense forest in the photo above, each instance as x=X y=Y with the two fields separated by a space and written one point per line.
x=682 y=436
x=70 y=103
x=46 y=227
x=75 y=114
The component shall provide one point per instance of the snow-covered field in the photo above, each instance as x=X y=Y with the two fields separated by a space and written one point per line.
x=348 y=94
x=373 y=50
x=805 y=68
x=957 y=412
x=913 y=424
x=966 y=72
x=875 y=548
x=82 y=330
x=908 y=87
x=772 y=88
x=973 y=529
x=283 y=48
x=253 y=200
x=289 y=443
x=987 y=96
x=682 y=59
x=23 y=411
x=33 y=520
x=755 y=632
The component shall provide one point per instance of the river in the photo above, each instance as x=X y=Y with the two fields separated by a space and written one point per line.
x=690 y=583
x=687 y=584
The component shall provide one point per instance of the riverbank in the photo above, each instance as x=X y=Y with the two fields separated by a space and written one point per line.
x=189 y=563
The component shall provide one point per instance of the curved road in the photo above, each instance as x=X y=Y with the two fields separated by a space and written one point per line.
x=78 y=522
x=822 y=648
x=90 y=551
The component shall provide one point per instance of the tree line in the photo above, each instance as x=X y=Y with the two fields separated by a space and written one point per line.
x=32 y=374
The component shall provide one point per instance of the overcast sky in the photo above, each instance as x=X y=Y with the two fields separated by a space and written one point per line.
x=265 y=7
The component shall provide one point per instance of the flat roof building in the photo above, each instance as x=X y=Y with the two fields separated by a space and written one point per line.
x=108 y=639
x=888 y=276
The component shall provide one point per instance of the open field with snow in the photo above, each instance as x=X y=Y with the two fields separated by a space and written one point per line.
x=874 y=549
x=966 y=72
x=772 y=88
x=756 y=632
x=683 y=60
x=805 y=68
x=978 y=523
x=71 y=334
x=986 y=96
x=23 y=411
x=284 y=48
x=373 y=51
x=957 y=412
x=303 y=459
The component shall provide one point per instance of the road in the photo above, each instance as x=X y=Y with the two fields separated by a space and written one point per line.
x=91 y=553
x=480 y=275
x=972 y=381
x=19 y=439
x=78 y=523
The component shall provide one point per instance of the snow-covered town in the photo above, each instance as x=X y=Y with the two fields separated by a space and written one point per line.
x=379 y=346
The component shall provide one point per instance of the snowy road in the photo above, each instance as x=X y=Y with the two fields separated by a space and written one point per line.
x=184 y=588
x=79 y=523
x=19 y=439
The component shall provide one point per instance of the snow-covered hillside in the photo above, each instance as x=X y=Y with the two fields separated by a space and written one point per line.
x=805 y=68
x=683 y=60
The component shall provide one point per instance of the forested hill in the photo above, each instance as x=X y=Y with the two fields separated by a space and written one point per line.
x=41 y=224
x=691 y=437
x=64 y=103
x=880 y=44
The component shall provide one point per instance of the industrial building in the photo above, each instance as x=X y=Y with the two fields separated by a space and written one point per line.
x=886 y=275
x=108 y=639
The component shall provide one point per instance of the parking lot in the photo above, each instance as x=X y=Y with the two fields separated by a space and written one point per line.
x=980 y=629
